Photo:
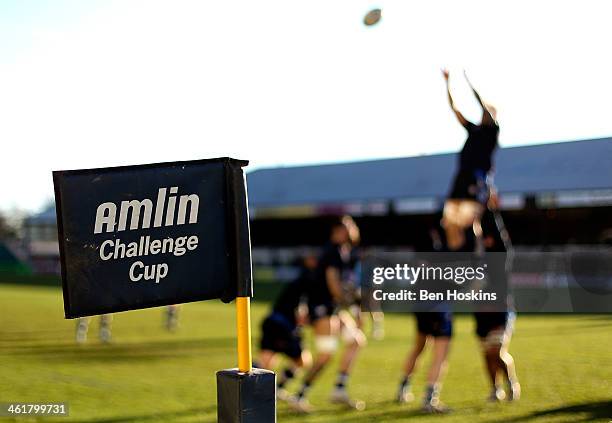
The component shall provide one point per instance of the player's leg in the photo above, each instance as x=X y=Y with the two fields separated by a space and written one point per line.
x=266 y=360
x=378 y=325
x=437 y=369
x=423 y=323
x=492 y=365
x=404 y=392
x=82 y=327
x=105 y=327
x=172 y=314
x=499 y=361
x=274 y=340
x=277 y=338
x=509 y=369
x=454 y=232
x=354 y=340
x=326 y=343
x=506 y=361
x=297 y=364
x=442 y=333
x=268 y=345
x=458 y=216
x=299 y=359
x=490 y=353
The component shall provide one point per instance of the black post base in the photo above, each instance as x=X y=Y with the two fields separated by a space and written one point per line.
x=246 y=397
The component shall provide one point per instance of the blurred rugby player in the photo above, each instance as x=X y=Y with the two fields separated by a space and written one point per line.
x=329 y=298
x=437 y=328
x=495 y=328
x=281 y=329
x=466 y=201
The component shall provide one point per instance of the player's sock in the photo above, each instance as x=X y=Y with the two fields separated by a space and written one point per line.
x=510 y=381
x=285 y=377
x=378 y=330
x=105 y=328
x=403 y=393
x=497 y=394
x=341 y=380
x=432 y=394
x=514 y=390
x=81 y=331
x=305 y=388
x=431 y=403
x=172 y=318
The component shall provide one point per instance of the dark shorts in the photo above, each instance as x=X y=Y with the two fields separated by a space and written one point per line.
x=438 y=324
x=469 y=185
x=280 y=336
x=318 y=310
x=486 y=322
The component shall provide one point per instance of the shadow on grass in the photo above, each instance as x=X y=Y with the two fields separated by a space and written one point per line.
x=119 y=352
x=373 y=413
x=566 y=330
x=601 y=410
x=592 y=411
x=607 y=317
x=358 y=416
x=32 y=335
x=169 y=416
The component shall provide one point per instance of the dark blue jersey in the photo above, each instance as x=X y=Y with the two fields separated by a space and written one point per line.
x=477 y=152
x=290 y=297
x=331 y=257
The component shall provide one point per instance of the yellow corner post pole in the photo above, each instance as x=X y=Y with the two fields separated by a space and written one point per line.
x=243 y=326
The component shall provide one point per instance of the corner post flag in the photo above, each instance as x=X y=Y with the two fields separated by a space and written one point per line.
x=133 y=237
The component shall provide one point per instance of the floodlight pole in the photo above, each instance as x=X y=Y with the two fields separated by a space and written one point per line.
x=243 y=332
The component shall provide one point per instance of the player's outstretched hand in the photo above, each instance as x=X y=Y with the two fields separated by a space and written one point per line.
x=445 y=74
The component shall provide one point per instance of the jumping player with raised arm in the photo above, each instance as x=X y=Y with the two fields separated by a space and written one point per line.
x=466 y=201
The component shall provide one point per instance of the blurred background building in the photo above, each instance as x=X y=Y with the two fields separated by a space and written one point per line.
x=40 y=241
x=553 y=197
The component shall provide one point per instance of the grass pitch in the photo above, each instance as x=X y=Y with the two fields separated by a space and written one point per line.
x=150 y=375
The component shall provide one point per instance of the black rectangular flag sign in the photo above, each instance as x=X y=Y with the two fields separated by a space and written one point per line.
x=142 y=236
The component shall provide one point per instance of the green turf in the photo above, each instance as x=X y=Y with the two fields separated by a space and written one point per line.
x=149 y=375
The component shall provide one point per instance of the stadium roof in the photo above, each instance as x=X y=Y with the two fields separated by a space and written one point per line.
x=45 y=217
x=565 y=174
x=570 y=167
